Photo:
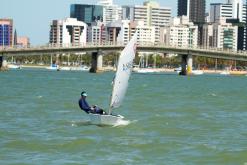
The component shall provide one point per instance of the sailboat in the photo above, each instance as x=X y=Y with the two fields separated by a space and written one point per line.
x=143 y=66
x=120 y=85
x=13 y=65
x=53 y=66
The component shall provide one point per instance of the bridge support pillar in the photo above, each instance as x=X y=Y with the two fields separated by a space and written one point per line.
x=1 y=61
x=58 y=59
x=97 y=62
x=186 y=65
x=3 y=64
x=189 y=64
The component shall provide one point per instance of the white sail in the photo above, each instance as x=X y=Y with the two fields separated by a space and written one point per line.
x=124 y=69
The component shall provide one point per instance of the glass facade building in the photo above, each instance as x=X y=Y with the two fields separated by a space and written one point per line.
x=6 y=32
x=195 y=9
x=182 y=7
x=86 y=13
x=228 y=38
x=245 y=30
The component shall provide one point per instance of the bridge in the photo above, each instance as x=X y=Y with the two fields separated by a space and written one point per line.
x=97 y=52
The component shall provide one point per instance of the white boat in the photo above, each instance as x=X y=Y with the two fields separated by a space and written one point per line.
x=225 y=72
x=14 y=66
x=105 y=119
x=142 y=67
x=53 y=67
x=120 y=85
x=178 y=70
x=80 y=68
x=76 y=68
x=66 y=68
x=197 y=72
x=146 y=70
x=193 y=72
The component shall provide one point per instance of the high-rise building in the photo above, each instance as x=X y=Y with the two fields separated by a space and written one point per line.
x=180 y=32
x=112 y=31
x=23 y=41
x=111 y=13
x=150 y=13
x=15 y=38
x=220 y=34
x=242 y=30
x=93 y=13
x=245 y=29
x=6 y=32
x=230 y=10
x=145 y=34
x=234 y=11
x=96 y=33
x=237 y=9
x=86 y=13
x=121 y=31
x=183 y=8
x=194 y=9
x=68 y=31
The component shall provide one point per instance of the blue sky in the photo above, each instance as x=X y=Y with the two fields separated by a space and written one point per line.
x=32 y=17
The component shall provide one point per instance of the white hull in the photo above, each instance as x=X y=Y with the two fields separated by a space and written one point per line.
x=225 y=73
x=74 y=68
x=65 y=68
x=197 y=72
x=145 y=70
x=13 y=66
x=98 y=119
x=83 y=68
x=52 y=68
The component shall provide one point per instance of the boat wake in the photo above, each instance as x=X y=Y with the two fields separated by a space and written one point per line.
x=122 y=122
x=119 y=123
x=80 y=123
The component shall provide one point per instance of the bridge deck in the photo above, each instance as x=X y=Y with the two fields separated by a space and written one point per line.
x=212 y=52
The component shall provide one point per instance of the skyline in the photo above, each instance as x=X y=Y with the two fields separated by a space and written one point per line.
x=30 y=20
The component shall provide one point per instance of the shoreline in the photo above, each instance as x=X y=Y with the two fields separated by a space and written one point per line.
x=158 y=70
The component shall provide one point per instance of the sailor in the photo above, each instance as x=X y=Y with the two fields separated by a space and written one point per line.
x=83 y=104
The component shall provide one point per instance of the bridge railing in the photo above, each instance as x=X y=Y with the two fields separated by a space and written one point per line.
x=114 y=44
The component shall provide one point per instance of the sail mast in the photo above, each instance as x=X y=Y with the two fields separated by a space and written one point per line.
x=110 y=109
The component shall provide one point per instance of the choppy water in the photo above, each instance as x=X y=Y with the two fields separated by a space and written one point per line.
x=173 y=119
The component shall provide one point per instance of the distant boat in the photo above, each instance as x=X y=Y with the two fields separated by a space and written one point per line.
x=53 y=67
x=120 y=85
x=146 y=70
x=141 y=69
x=80 y=68
x=193 y=72
x=65 y=68
x=178 y=70
x=197 y=72
x=75 y=68
x=14 y=66
x=225 y=73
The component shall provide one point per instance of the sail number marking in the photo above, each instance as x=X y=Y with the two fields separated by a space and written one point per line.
x=127 y=66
